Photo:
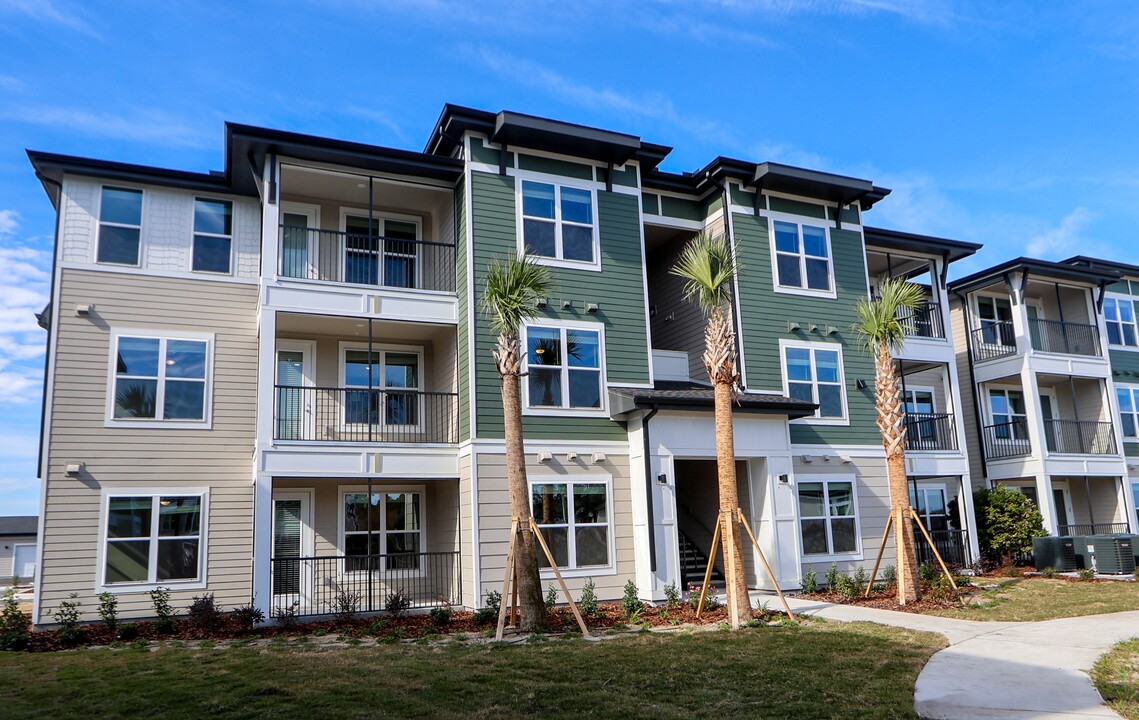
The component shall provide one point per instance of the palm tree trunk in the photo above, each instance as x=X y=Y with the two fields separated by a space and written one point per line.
x=891 y=421
x=533 y=616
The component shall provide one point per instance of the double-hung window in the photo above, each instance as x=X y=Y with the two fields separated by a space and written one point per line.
x=802 y=257
x=159 y=379
x=120 y=226
x=828 y=517
x=383 y=531
x=1119 y=314
x=213 y=236
x=563 y=367
x=384 y=251
x=1128 y=397
x=814 y=374
x=573 y=516
x=383 y=388
x=558 y=222
x=153 y=538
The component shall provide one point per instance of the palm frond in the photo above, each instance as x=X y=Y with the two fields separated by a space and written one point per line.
x=510 y=288
x=878 y=318
x=707 y=266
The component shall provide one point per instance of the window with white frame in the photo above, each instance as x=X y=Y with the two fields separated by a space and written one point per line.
x=213 y=236
x=573 y=516
x=383 y=530
x=153 y=539
x=382 y=251
x=160 y=379
x=929 y=500
x=1119 y=316
x=389 y=386
x=558 y=222
x=1009 y=414
x=1128 y=397
x=828 y=516
x=120 y=226
x=563 y=367
x=802 y=256
x=814 y=374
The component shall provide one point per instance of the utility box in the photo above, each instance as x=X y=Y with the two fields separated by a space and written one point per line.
x=1114 y=555
x=1054 y=552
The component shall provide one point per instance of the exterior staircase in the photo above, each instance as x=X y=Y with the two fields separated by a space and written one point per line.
x=694 y=563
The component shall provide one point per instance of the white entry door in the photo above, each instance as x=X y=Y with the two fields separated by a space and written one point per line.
x=296 y=397
x=292 y=544
x=24 y=561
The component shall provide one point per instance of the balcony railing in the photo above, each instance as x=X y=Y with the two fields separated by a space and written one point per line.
x=336 y=414
x=994 y=340
x=371 y=260
x=1119 y=528
x=1006 y=440
x=930 y=431
x=331 y=584
x=925 y=322
x=1069 y=338
x=950 y=544
x=1081 y=437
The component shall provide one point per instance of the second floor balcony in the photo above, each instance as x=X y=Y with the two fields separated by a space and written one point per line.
x=1068 y=338
x=397 y=260
x=930 y=432
x=925 y=322
x=363 y=415
x=1010 y=439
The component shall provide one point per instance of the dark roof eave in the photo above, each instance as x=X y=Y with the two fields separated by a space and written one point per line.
x=54 y=166
x=904 y=241
x=1038 y=268
x=1094 y=263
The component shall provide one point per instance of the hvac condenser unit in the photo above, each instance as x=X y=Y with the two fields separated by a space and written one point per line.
x=1057 y=553
x=1114 y=555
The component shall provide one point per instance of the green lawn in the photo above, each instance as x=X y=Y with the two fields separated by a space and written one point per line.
x=1031 y=599
x=1116 y=676
x=824 y=670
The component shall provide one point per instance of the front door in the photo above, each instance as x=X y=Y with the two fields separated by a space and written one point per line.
x=295 y=393
x=292 y=543
x=300 y=237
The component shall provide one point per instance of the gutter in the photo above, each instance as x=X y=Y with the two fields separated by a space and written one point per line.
x=649 y=487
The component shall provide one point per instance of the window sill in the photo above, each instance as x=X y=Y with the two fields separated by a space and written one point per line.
x=833 y=422
x=806 y=292
x=160 y=424
x=832 y=557
x=566 y=412
x=593 y=571
x=135 y=588
x=567 y=264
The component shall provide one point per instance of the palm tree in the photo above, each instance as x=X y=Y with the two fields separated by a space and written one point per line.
x=509 y=294
x=708 y=268
x=882 y=334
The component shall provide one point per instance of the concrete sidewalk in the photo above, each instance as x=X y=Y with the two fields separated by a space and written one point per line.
x=1002 y=670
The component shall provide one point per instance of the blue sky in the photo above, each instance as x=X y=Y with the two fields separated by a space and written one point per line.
x=1013 y=124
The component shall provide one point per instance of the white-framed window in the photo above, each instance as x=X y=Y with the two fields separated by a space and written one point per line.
x=154 y=537
x=813 y=372
x=383 y=530
x=159 y=378
x=920 y=411
x=563 y=367
x=828 y=515
x=384 y=251
x=930 y=502
x=383 y=389
x=801 y=256
x=213 y=236
x=575 y=519
x=120 y=226
x=1128 y=397
x=1119 y=317
x=558 y=223
x=1009 y=414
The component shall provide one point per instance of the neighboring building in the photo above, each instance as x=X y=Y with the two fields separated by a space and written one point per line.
x=274 y=383
x=18 y=549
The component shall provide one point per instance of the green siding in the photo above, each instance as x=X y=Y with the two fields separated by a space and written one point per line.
x=765 y=315
x=650 y=203
x=618 y=290
x=795 y=207
x=741 y=196
x=626 y=177
x=550 y=166
x=483 y=154
x=462 y=289
x=1120 y=287
x=1134 y=287
x=1125 y=361
x=849 y=215
x=1131 y=449
x=714 y=205
x=681 y=208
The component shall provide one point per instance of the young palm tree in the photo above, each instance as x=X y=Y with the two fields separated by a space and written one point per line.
x=509 y=292
x=708 y=267
x=882 y=334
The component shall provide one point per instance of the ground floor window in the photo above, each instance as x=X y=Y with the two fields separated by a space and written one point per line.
x=383 y=530
x=574 y=518
x=153 y=538
x=828 y=518
x=931 y=506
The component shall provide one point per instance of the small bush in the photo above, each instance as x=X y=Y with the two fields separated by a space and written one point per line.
x=1011 y=571
x=1048 y=572
x=672 y=595
x=288 y=617
x=345 y=604
x=588 y=601
x=1006 y=522
x=128 y=632
x=890 y=575
x=927 y=573
x=15 y=625
x=940 y=589
x=489 y=611
x=397 y=603
x=846 y=586
x=109 y=610
x=67 y=615
x=810 y=581
x=160 y=598
x=861 y=577
x=630 y=602
x=204 y=613
x=1086 y=573
x=711 y=600
x=441 y=616
x=832 y=577
x=551 y=596
x=248 y=616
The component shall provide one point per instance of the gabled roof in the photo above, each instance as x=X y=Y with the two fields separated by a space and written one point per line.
x=1034 y=268
x=952 y=250
x=19 y=525
x=679 y=395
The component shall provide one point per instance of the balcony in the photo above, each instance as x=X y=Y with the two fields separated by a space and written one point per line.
x=952 y=546
x=1119 y=528
x=994 y=340
x=1080 y=437
x=930 y=431
x=1006 y=440
x=1066 y=338
x=373 y=261
x=925 y=322
x=362 y=415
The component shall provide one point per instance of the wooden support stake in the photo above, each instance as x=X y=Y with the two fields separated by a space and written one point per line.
x=730 y=558
x=936 y=554
x=514 y=597
x=558 y=575
x=763 y=560
x=711 y=564
x=502 y=604
x=898 y=516
x=881 y=551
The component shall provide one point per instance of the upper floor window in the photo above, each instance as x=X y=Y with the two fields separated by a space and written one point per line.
x=120 y=226
x=802 y=257
x=381 y=251
x=1128 y=410
x=159 y=378
x=814 y=374
x=563 y=368
x=383 y=388
x=151 y=539
x=1119 y=314
x=213 y=235
x=558 y=222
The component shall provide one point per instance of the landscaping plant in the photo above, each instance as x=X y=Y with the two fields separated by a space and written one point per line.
x=630 y=602
x=248 y=616
x=551 y=596
x=160 y=598
x=67 y=615
x=109 y=610
x=810 y=582
x=204 y=613
x=587 y=604
x=15 y=625
x=672 y=595
x=1006 y=522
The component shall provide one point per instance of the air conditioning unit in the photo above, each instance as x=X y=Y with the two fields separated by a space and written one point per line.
x=1114 y=555
x=1085 y=553
x=1054 y=552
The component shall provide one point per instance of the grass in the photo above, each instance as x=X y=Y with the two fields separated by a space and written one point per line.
x=1032 y=599
x=1116 y=676
x=819 y=671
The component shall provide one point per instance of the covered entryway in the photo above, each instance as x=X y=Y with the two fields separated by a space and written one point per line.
x=697 y=508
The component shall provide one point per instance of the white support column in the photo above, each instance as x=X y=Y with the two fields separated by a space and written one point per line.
x=262 y=542
x=270 y=219
x=263 y=483
x=642 y=523
x=1046 y=503
x=965 y=503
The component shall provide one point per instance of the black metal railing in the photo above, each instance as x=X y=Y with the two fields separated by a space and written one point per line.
x=950 y=544
x=336 y=414
x=925 y=322
x=1069 y=338
x=994 y=340
x=930 y=431
x=1118 y=528
x=1082 y=437
x=1006 y=440
x=360 y=259
x=330 y=584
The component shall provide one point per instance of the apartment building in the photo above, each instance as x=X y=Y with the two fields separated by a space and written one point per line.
x=273 y=383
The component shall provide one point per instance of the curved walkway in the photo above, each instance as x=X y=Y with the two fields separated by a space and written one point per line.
x=1002 y=669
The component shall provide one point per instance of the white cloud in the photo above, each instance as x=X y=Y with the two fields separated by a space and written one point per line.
x=141 y=125
x=24 y=293
x=1064 y=239
x=9 y=222
x=47 y=11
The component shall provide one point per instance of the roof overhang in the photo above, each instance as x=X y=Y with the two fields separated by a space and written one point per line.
x=952 y=250
x=623 y=401
x=1098 y=264
x=816 y=184
x=1037 y=269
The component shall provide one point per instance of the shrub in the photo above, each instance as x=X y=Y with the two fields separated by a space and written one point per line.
x=1086 y=573
x=630 y=602
x=890 y=575
x=128 y=632
x=832 y=577
x=861 y=577
x=397 y=603
x=1048 y=572
x=810 y=582
x=846 y=586
x=288 y=617
x=588 y=601
x=1011 y=571
x=711 y=600
x=160 y=598
x=14 y=624
x=551 y=596
x=441 y=615
x=204 y=613
x=378 y=626
x=489 y=612
x=248 y=616
x=672 y=595
x=67 y=615
x=345 y=604
x=109 y=610
x=939 y=588
x=927 y=573
x=1006 y=522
